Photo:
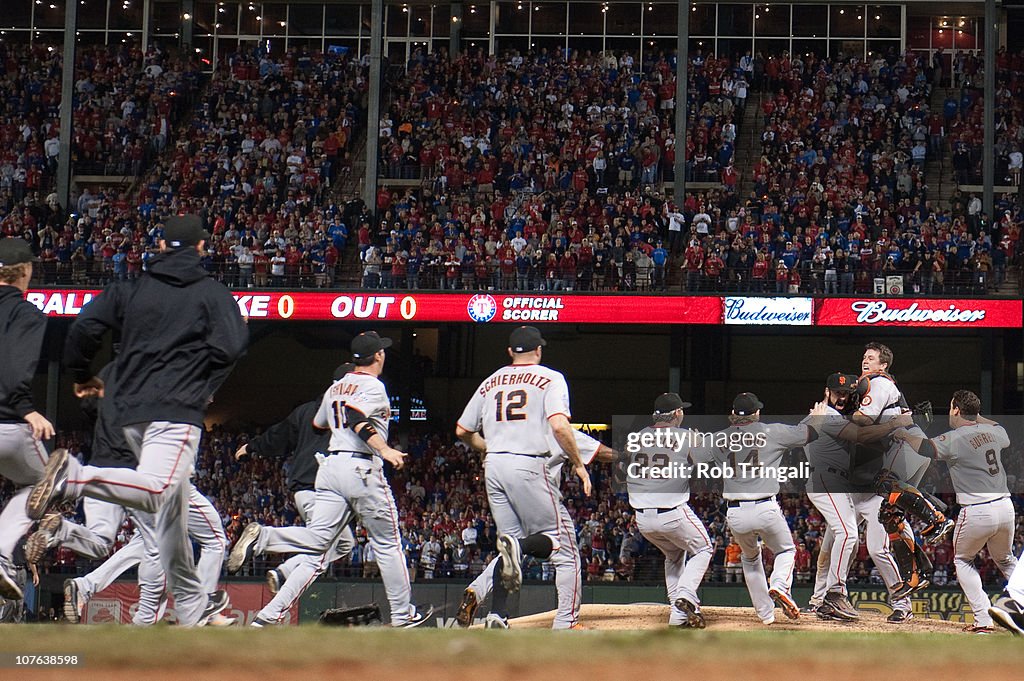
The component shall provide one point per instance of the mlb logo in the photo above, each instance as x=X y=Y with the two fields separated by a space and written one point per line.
x=103 y=611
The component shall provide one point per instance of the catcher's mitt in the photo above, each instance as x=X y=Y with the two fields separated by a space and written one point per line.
x=364 y=615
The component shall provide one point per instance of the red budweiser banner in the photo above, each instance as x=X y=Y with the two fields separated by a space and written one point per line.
x=918 y=312
x=118 y=602
x=397 y=306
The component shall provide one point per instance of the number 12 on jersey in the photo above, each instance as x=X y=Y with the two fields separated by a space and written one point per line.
x=513 y=407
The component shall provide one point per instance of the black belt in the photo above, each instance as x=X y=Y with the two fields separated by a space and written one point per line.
x=542 y=455
x=835 y=471
x=659 y=510
x=982 y=503
x=355 y=455
x=736 y=503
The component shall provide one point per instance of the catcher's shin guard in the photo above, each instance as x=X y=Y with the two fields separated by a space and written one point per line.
x=911 y=501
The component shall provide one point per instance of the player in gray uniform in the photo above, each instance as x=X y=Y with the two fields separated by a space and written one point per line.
x=510 y=417
x=751 y=496
x=830 y=490
x=663 y=513
x=972 y=450
x=565 y=560
x=296 y=436
x=22 y=427
x=205 y=528
x=350 y=480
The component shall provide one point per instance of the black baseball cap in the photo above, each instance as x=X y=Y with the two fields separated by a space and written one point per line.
x=15 y=252
x=366 y=345
x=346 y=368
x=842 y=383
x=666 y=403
x=746 y=404
x=525 y=339
x=184 y=230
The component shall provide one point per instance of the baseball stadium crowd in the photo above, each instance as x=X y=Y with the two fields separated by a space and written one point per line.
x=448 y=532
x=537 y=172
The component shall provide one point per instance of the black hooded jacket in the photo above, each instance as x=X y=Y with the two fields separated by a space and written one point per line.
x=22 y=329
x=295 y=437
x=181 y=334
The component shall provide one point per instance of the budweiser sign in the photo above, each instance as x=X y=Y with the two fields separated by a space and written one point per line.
x=920 y=312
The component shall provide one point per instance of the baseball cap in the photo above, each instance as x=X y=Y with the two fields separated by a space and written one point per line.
x=184 y=230
x=346 y=368
x=14 y=252
x=525 y=339
x=746 y=404
x=366 y=345
x=845 y=383
x=666 y=403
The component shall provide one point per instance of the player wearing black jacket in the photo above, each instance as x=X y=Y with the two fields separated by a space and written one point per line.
x=181 y=334
x=22 y=455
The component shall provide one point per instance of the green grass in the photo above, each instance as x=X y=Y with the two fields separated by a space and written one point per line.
x=294 y=647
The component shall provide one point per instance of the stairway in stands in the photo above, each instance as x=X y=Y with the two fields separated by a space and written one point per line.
x=938 y=169
x=748 y=145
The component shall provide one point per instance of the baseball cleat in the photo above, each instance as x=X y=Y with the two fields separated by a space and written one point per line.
x=40 y=541
x=578 y=627
x=274 y=580
x=899 y=617
x=694 y=618
x=467 y=609
x=906 y=588
x=74 y=601
x=841 y=607
x=1008 y=614
x=50 y=488
x=218 y=601
x=811 y=608
x=977 y=629
x=786 y=602
x=934 y=536
x=419 y=617
x=242 y=551
x=826 y=612
x=9 y=588
x=221 y=620
x=512 y=562
x=495 y=621
x=261 y=623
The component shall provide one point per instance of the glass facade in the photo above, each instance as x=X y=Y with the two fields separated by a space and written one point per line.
x=720 y=28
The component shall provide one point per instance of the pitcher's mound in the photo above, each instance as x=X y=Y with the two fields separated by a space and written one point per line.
x=653 y=616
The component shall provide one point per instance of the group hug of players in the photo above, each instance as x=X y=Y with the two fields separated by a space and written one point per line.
x=867 y=457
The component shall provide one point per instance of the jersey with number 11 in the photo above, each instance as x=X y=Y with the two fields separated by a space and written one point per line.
x=512 y=406
x=363 y=393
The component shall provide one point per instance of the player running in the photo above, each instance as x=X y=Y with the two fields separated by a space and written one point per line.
x=22 y=427
x=350 y=481
x=972 y=450
x=565 y=560
x=663 y=513
x=750 y=493
x=510 y=416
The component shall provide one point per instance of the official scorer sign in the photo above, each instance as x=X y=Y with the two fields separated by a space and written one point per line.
x=769 y=311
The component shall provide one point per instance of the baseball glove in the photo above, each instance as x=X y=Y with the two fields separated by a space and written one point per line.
x=364 y=615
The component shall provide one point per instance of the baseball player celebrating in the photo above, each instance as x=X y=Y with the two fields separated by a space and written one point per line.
x=901 y=471
x=509 y=417
x=181 y=334
x=663 y=513
x=753 y=510
x=297 y=436
x=829 y=489
x=350 y=480
x=22 y=427
x=566 y=559
x=972 y=450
